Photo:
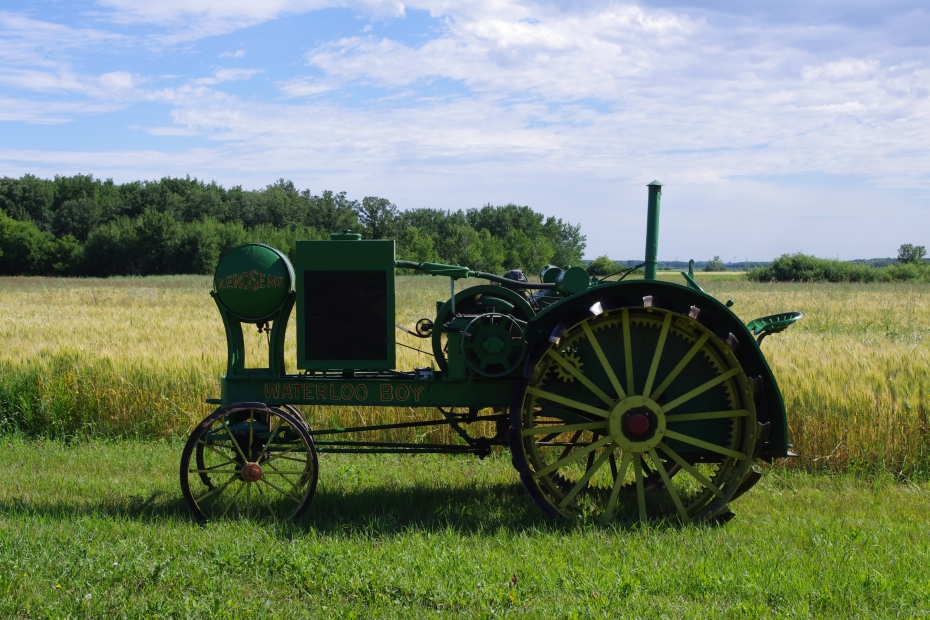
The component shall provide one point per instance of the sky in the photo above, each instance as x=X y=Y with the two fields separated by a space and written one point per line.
x=796 y=126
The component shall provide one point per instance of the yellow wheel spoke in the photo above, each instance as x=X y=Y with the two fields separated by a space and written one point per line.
x=583 y=379
x=567 y=402
x=233 y=500
x=603 y=359
x=213 y=468
x=640 y=491
x=628 y=353
x=279 y=489
x=658 y=354
x=234 y=442
x=700 y=389
x=583 y=482
x=271 y=434
x=282 y=455
x=710 y=415
x=668 y=485
x=251 y=430
x=213 y=449
x=680 y=366
x=214 y=471
x=286 y=458
x=685 y=465
x=265 y=500
x=618 y=484
x=218 y=489
x=568 y=428
x=275 y=470
x=706 y=445
x=574 y=456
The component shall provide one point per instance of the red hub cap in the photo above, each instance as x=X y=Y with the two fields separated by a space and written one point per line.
x=252 y=472
x=638 y=424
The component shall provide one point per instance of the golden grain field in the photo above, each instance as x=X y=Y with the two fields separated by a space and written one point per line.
x=138 y=356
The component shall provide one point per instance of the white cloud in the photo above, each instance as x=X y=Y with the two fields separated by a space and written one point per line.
x=193 y=19
x=236 y=54
x=117 y=80
x=228 y=75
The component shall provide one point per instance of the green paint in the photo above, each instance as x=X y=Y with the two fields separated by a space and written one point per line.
x=572 y=281
x=652 y=229
x=253 y=281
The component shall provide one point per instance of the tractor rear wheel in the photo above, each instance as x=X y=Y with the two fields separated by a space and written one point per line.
x=637 y=414
x=249 y=460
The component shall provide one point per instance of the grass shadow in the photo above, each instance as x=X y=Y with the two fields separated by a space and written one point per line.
x=464 y=509
x=375 y=510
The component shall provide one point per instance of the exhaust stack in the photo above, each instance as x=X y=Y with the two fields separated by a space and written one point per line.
x=652 y=229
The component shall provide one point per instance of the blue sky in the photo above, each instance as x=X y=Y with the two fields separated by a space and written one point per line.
x=776 y=127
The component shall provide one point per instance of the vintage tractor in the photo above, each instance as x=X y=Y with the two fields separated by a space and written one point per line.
x=622 y=400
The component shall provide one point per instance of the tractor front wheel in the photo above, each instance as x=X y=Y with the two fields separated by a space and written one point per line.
x=249 y=460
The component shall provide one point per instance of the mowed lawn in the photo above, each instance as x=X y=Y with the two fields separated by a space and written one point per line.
x=98 y=529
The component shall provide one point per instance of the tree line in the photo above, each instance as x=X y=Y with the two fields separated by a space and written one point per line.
x=799 y=267
x=82 y=226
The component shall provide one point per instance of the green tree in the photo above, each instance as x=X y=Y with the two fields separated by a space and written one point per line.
x=908 y=253
x=715 y=264
x=78 y=218
x=378 y=216
x=602 y=266
x=26 y=250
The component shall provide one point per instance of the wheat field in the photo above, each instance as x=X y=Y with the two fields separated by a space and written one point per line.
x=136 y=357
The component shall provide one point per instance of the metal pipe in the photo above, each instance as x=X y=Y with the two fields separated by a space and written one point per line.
x=652 y=229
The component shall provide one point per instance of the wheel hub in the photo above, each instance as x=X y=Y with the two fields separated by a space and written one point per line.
x=252 y=472
x=493 y=345
x=637 y=423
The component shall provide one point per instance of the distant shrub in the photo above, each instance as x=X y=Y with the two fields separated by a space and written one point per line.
x=803 y=268
x=715 y=264
x=602 y=266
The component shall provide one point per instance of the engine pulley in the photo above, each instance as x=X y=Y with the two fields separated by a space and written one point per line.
x=493 y=344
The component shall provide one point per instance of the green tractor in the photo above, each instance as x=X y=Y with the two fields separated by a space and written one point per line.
x=621 y=400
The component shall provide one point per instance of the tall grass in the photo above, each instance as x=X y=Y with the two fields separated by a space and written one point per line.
x=136 y=357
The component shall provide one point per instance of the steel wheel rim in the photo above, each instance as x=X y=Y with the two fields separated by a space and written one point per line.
x=580 y=451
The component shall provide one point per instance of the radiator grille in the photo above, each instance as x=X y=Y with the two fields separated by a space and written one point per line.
x=345 y=315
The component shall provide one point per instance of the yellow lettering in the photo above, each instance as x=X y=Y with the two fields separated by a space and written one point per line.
x=347 y=395
x=332 y=392
x=229 y=281
x=416 y=393
x=406 y=392
x=361 y=392
x=386 y=391
x=272 y=390
x=320 y=391
x=308 y=391
x=287 y=390
x=261 y=280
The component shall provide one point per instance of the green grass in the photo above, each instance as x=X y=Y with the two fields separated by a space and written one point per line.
x=98 y=529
